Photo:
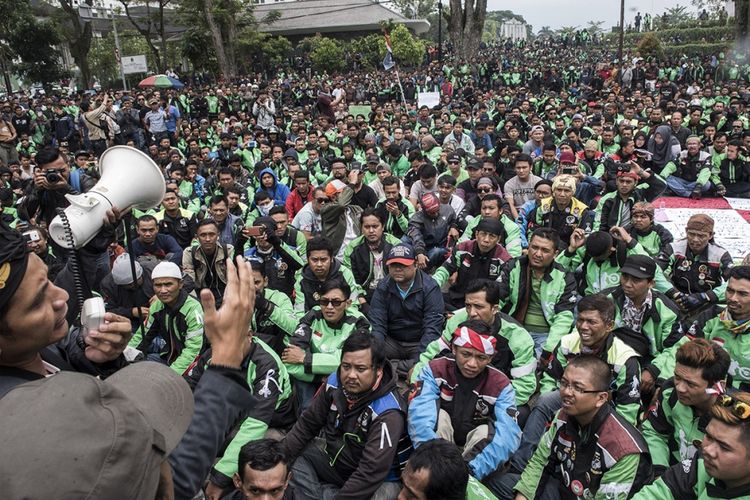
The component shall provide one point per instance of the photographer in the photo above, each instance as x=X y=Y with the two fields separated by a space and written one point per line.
x=264 y=110
x=96 y=124
x=52 y=181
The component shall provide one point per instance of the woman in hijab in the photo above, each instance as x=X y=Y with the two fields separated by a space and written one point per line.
x=663 y=147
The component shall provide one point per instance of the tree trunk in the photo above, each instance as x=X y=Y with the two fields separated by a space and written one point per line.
x=231 y=45
x=466 y=25
x=145 y=32
x=216 y=37
x=80 y=42
x=742 y=22
x=163 y=67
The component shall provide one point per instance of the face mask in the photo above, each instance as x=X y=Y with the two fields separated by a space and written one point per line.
x=264 y=209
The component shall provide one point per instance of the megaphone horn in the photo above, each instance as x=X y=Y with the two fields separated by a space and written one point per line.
x=129 y=179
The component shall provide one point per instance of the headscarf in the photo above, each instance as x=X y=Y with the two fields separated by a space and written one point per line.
x=662 y=153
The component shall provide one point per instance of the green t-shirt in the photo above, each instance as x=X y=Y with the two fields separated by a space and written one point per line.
x=535 y=321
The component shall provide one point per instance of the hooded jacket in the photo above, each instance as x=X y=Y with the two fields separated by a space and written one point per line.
x=279 y=192
x=307 y=286
x=364 y=438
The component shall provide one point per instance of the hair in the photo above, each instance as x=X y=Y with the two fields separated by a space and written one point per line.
x=337 y=283
x=302 y=174
x=548 y=146
x=489 y=287
x=371 y=212
x=598 y=369
x=449 y=474
x=219 y=198
x=726 y=415
x=362 y=339
x=261 y=455
x=523 y=158
x=599 y=243
x=493 y=197
x=319 y=243
x=48 y=155
x=206 y=222
x=261 y=195
x=740 y=272
x=147 y=218
x=277 y=209
x=477 y=325
x=427 y=171
x=543 y=182
x=600 y=303
x=547 y=233
x=709 y=357
x=226 y=170
x=391 y=180
x=257 y=265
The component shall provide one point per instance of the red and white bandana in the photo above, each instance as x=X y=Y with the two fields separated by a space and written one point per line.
x=466 y=337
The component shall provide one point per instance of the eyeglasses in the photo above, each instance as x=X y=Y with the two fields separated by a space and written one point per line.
x=334 y=302
x=740 y=409
x=454 y=162
x=322 y=201
x=489 y=190
x=564 y=384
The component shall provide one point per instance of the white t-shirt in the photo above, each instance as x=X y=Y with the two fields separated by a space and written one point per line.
x=521 y=191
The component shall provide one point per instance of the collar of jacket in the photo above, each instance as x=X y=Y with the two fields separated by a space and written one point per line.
x=601 y=416
x=524 y=262
x=415 y=287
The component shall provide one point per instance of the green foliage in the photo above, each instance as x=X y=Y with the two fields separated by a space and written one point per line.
x=419 y=9
x=267 y=51
x=326 y=54
x=196 y=47
x=368 y=48
x=696 y=49
x=650 y=47
x=34 y=44
x=407 y=50
x=102 y=57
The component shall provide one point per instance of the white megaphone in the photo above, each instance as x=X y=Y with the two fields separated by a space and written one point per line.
x=129 y=179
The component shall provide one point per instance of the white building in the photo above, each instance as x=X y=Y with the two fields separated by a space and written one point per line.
x=514 y=30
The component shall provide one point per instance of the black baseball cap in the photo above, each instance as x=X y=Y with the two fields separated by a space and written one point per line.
x=639 y=266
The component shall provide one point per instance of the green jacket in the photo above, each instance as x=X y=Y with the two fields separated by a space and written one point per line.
x=276 y=325
x=622 y=359
x=558 y=296
x=181 y=328
x=512 y=241
x=514 y=352
x=671 y=428
x=322 y=342
x=693 y=482
x=607 y=460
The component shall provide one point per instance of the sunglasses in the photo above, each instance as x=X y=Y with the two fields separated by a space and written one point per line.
x=334 y=302
x=740 y=409
x=485 y=190
x=322 y=201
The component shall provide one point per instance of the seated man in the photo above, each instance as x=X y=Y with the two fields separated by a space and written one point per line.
x=365 y=255
x=492 y=208
x=362 y=420
x=732 y=175
x=321 y=268
x=538 y=293
x=437 y=470
x=274 y=320
x=696 y=266
x=429 y=230
x=406 y=310
x=689 y=175
x=562 y=211
x=644 y=310
x=263 y=470
x=175 y=221
x=174 y=332
x=230 y=226
x=206 y=263
x=286 y=232
x=653 y=237
x=273 y=411
x=722 y=468
x=589 y=447
x=480 y=258
x=678 y=417
x=514 y=347
x=150 y=243
x=593 y=334
x=280 y=261
x=465 y=401
x=729 y=326
x=393 y=209
x=314 y=351
x=126 y=294
x=615 y=209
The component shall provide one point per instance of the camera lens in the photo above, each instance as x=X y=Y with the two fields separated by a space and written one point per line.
x=52 y=177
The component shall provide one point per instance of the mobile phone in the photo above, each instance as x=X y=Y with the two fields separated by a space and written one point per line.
x=569 y=170
x=31 y=236
x=255 y=230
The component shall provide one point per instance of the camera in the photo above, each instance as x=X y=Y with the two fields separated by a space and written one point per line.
x=53 y=176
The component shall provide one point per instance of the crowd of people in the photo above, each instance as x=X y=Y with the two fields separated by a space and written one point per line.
x=470 y=300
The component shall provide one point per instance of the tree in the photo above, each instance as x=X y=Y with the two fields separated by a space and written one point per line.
x=366 y=50
x=595 y=27
x=196 y=47
x=326 y=54
x=742 y=23
x=713 y=7
x=418 y=9
x=102 y=59
x=264 y=51
x=678 y=15
x=545 y=31
x=77 y=32
x=407 y=50
x=650 y=47
x=466 y=24
x=150 y=26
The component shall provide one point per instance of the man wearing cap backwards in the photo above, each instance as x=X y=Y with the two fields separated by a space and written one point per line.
x=696 y=266
x=35 y=340
x=126 y=296
x=429 y=230
x=406 y=310
x=479 y=258
x=722 y=468
x=653 y=237
x=636 y=185
x=590 y=451
x=678 y=416
x=729 y=326
x=340 y=217
x=136 y=424
x=561 y=211
x=466 y=401
x=174 y=332
x=689 y=175
x=514 y=347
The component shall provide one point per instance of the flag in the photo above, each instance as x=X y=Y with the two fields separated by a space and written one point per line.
x=388 y=62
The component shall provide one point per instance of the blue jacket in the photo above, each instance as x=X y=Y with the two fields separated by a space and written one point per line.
x=279 y=192
x=492 y=399
x=161 y=247
x=417 y=318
